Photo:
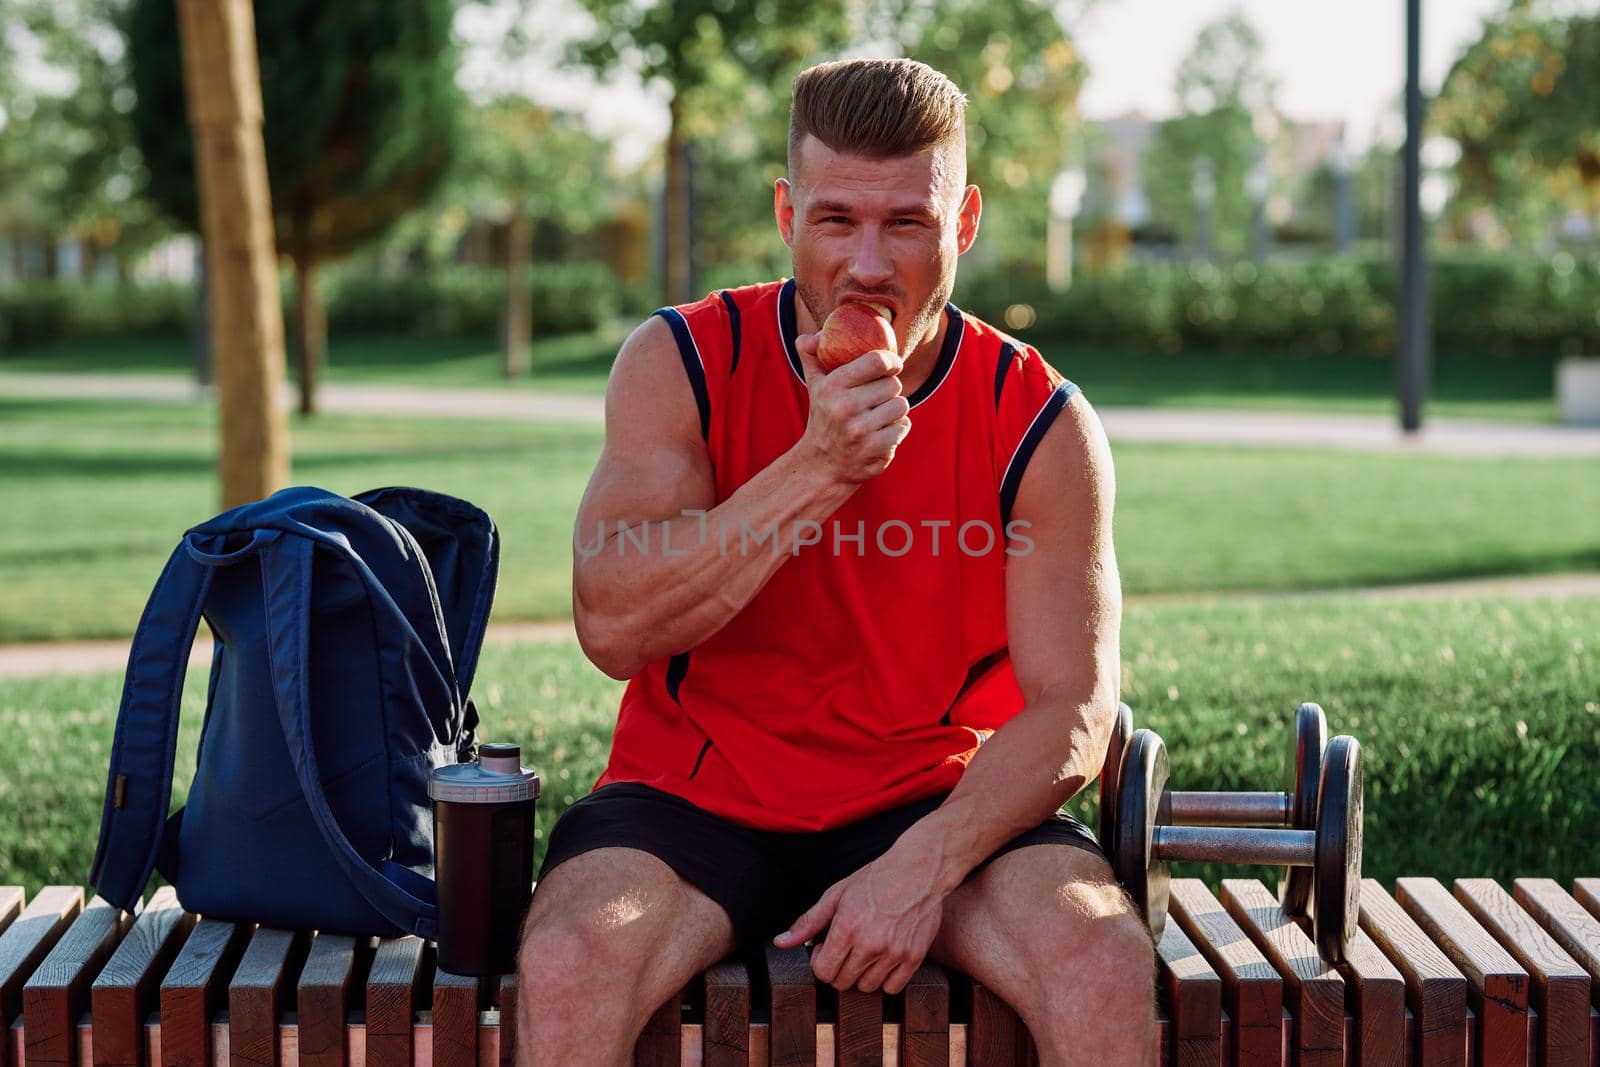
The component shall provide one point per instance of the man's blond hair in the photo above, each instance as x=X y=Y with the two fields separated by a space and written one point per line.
x=877 y=108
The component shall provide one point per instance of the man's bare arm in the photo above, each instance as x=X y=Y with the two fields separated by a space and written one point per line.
x=673 y=579
x=1063 y=616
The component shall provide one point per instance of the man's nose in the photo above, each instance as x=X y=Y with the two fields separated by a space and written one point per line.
x=870 y=265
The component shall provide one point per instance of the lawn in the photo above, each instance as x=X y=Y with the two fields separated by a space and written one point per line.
x=1479 y=720
x=96 y=494
x=1464 y=385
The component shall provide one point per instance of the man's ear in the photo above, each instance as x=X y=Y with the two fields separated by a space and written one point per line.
x=783 y=208
x=967 y=218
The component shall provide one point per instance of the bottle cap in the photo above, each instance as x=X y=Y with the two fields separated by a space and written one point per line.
x=496 y=777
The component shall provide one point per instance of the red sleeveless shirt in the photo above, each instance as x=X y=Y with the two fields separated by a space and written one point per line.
x=871 y=666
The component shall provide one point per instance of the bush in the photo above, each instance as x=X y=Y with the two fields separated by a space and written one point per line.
x=1481 y=304
x=38 y=312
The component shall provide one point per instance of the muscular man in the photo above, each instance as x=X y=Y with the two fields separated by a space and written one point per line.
x=869 y=623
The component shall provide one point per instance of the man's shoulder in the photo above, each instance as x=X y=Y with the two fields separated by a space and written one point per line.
x=733 y=300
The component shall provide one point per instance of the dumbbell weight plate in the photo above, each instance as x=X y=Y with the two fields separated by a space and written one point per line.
x=1110 y=772
x=1336 y=910
x=1142 y=802
x=1302 y=778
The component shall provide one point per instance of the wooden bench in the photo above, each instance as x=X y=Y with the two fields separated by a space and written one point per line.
x=1479 y=974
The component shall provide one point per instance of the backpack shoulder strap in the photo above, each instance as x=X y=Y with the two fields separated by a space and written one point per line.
x=139 y=779
x=287 y=574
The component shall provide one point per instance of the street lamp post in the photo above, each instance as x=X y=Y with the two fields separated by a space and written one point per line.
x=1066 y=197
x=1258 y=183
x=1411 y=368
x=1203 y=184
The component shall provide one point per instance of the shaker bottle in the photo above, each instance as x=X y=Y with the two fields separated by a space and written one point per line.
x=483 y=858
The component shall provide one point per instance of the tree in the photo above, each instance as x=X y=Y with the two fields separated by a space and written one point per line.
x=361 y=124
x=527 y=164
x=711 y=55
x=1520 y=103
x=1222 y=90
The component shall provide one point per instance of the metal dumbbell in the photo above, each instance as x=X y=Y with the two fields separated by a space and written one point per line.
x=1147 y=840
x=1295 y=806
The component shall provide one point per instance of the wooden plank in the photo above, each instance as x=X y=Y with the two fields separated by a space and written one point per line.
x=58 y=990
x=1376 y=999
x=860 y=1033
x=661 y=1041
x=125 y=991
x=996 y=1036
x=1193 y=998
x=1436 y=990
x=194 y=988
x=1498 y=984
x=322 y=1000
x=12 y=900
x=259 y=987
x=1573 y=928
x=1560 y=992
x=391 y=1000
x=455 y=1020
x=507 y=999
x=1252 y=991
x=1586 y=891
x=1315 y=992
x=926 y=1037
x=792 y=1032
x=27 y=941
x=727 y=1026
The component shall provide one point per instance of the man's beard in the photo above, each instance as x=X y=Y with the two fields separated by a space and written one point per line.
x=920 y=319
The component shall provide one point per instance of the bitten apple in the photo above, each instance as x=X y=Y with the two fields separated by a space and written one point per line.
x=853 y=330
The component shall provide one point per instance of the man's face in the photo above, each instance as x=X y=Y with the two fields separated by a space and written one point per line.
x=888 y=230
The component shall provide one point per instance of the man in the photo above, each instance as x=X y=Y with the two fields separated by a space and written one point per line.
x=869 y=619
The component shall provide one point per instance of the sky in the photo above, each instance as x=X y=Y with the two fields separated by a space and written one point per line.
x=1342 y=60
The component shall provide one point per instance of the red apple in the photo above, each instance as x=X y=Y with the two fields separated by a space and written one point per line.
x=853 y=330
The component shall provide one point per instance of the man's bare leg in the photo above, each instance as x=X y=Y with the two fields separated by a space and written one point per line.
x=1047 y=928
x=611 y=934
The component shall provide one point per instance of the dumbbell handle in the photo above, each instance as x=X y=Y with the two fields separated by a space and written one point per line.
x=1231 y=809
x=1214 y=844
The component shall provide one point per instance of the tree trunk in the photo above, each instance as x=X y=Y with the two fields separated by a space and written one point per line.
x=677 y=211
x=310 y=328
x=518 y=334
x=223 y=88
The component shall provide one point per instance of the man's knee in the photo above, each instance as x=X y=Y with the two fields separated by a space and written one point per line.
x=1099 y=940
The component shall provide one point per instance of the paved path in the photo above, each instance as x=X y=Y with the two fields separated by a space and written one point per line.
x=1461 y=437
x=87 y=657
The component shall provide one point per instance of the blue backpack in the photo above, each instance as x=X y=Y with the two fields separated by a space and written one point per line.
x=346 y=634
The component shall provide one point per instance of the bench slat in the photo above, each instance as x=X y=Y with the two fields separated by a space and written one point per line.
x=792 y=1031
x=727 y=1025
x=455 y=1019
x=322 y=999
x=506 y=999
x=1194 y=1000
x=996 y=1036
x=860 y=1034
x=58 y=990
x=125 y=991
x=391 y=1000
x=1375 y=994
x=1252 y=991
x=195 y=987
x=1315 y=990
x=1498 y=984
x=660 y=1044
x=12 y=900
x=259 y=986
x=25 y=943
x=926 y=1036
x=1587 y=892
x=1573 y=928
x=1436 y=990
x=1560 y=990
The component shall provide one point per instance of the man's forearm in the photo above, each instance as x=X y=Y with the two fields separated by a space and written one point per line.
x=1025 y=771
x=662 y=587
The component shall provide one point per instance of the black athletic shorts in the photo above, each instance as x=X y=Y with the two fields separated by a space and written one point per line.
x=764 y=879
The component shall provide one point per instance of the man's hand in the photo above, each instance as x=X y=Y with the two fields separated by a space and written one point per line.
x=880 y=920
x=858 y=417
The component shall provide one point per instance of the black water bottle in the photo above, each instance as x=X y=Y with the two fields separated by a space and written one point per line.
x=483 y=858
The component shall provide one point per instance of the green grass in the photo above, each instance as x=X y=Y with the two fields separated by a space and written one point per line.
x=1464 y=385
x=1479 y=721
x=97 y=493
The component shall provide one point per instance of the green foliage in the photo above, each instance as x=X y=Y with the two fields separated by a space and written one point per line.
x=360 y=114
x=1478 y=722
x=1482 y=304
x=37 y=312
